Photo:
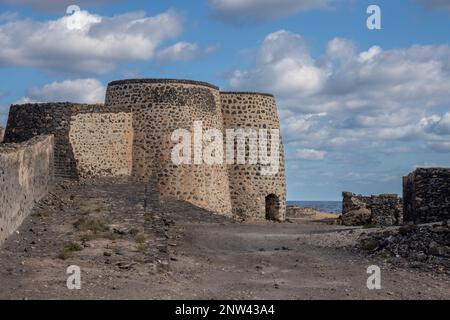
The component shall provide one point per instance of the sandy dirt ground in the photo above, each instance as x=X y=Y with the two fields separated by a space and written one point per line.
x=177 y=251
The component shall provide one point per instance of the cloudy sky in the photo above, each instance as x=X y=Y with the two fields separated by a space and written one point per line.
x=359 y=108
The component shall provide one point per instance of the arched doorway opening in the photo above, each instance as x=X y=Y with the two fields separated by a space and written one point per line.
x=272 y=207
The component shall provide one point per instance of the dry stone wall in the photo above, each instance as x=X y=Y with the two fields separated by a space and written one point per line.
x=386 y=210
x=426 y=193
x=250 y=190
x=26 y=174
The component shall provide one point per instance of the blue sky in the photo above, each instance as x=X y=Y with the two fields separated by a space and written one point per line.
x=359 y=108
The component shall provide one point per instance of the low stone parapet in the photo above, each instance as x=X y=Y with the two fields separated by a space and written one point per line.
x=26 y=174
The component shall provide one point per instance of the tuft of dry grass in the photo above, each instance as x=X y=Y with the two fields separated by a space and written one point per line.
x=91 y=224
x=141 y=247
x=66 y=252
x=98 y=235
x=140 y=238
x=41 y=213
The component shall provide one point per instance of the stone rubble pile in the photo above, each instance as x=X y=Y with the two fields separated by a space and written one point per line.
x=428 y=244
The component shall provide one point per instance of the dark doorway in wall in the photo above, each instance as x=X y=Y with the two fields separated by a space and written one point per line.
x=272 y=207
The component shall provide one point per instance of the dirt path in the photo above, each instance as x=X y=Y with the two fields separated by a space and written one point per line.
x=282 y=261
x=210 y=257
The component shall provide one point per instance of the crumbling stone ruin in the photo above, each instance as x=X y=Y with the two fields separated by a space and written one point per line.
x=426 y=193
x=386 y=210
x=2 y=132
x=426 y=199
x=130 y=135
x=382 y=210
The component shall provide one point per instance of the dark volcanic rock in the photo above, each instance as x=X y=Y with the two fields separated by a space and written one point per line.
x=382 y=210
x=423 y=243
x=427 y=195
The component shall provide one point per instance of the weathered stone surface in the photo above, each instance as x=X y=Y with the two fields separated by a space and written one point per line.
x=382 y=210
x=26 y=174
x=426 y=193
x=2 y=132
x=84 y=142
x=131 y=135
x=102 y=143
x=357 y=217
x=159 y=108
x=386 y=210
x=351 y=202
x=249 y=189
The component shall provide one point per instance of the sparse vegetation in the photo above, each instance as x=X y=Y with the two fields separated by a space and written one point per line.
x=68 y=250
x=141 y=247
x=140 y=238
x=91 y=224
x=41 y=214
x=98 y=235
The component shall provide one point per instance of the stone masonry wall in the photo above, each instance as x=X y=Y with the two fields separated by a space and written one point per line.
x=102 y=143
x=26 y=174
x=160 y=107
x=384 y=210
x=351 y=202
x=248 y=187
x=86 y=136
x=426 y=193
x=131 y=135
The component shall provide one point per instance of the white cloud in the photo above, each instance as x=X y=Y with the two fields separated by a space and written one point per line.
x=258 y=10
x=349 y=100
x=443 y=125
x=95 y=48
x=283 y=65
x=184 y=51
x=79 y=91
x=310 y=154
x=52 y=5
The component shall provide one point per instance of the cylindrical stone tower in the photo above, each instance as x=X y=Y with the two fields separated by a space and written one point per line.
x=159 y=107
x=255 y=195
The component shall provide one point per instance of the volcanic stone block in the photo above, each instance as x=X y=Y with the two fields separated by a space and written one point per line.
x=426 y=193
